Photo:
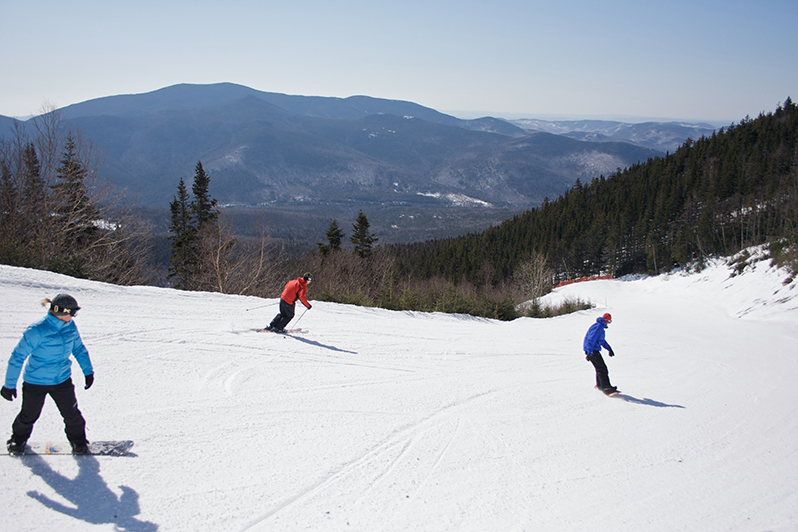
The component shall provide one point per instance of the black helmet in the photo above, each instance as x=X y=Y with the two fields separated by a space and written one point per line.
x=64 y=305
x=307 y=277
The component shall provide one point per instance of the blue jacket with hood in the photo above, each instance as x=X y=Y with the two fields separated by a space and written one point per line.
x=47 y=345
x=594 y=339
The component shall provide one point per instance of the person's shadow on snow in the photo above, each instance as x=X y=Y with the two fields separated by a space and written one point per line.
x=318 y=344
x=93 y=501
x=646 y=401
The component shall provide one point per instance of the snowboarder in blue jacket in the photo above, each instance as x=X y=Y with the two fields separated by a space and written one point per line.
x=594 y=341
x=46 y=346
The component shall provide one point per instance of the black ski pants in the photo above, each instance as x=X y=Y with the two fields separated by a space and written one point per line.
x=287 y=311
x=33 y=396
x=602 y=373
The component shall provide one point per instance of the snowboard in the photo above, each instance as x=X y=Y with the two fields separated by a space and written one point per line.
x=96 y=448
x=613 y=394
x=287 y=331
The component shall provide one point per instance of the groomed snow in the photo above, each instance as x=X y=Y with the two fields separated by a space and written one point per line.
x=387 y=421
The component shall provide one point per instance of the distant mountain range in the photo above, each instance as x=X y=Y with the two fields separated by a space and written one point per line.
x=325 y=155
x=663 y=136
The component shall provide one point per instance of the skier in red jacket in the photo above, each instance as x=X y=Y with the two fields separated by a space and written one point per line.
x=294 y=289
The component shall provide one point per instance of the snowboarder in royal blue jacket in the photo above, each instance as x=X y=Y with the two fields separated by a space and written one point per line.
x=594 y=341
x=46 y=346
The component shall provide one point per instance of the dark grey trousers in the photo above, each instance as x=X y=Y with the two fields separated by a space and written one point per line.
x=286 y=314
x=33 y=396
x=602 y=373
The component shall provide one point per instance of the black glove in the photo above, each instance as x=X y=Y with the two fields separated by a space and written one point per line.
x=310 y=306
x=612 y=354
x=8 y=393
x=89 y=381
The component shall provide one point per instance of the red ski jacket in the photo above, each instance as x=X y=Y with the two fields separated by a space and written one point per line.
x=296 y=289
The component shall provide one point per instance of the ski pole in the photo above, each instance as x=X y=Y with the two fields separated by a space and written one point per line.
x=262 y=306
x=299 y=318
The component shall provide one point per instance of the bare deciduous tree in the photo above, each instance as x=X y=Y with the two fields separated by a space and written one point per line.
x=533 y=277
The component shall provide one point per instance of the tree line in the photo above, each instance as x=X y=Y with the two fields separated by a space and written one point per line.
x=713 y=196
x=206 y=256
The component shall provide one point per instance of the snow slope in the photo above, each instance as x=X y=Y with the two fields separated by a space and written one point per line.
x=388 y=421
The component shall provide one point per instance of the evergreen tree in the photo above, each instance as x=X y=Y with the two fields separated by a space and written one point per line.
x=33 y=193
x=74 y=230
x=362 y=239
x=201 y=254
x=33 y=200
x=8 y=194
x=334 y=236
x=183 y=238
x=9 y=214
x=203 y=206
x=71 y=195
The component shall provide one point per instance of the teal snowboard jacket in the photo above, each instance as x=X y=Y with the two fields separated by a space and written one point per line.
x=47 y=345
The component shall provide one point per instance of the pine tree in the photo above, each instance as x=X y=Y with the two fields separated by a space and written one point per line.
x=203 y=206
x=9 y=215
x=201 y=254
x=74 y=230
x=362 y=239
x=33 y=200
x=334 y=236
x=71 y=196
x=8 y=193
x=184 y=237
x=33 y=190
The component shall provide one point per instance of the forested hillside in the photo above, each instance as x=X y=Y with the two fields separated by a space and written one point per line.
x=715 y=195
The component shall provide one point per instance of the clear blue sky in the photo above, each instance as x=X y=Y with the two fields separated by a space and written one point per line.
x=670 y=59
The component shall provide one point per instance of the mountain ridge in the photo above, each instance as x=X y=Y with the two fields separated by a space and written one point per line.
x=260 y=153
x=327 y=155
x=663 y=136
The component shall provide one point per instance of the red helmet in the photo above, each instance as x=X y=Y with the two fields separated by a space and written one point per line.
x=607 y=318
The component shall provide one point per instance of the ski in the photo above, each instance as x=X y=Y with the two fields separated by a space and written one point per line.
x=287 y=331
x=611 y=394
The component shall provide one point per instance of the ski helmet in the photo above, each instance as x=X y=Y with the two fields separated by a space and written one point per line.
x=64 y=305
x=307 y=277
x=607 y=318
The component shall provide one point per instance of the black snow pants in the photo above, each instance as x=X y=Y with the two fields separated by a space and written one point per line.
x=286 y=314
x=33 y=396
x=602 y=373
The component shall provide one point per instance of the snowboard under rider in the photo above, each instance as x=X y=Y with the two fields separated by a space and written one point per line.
x=46 y=346
x=594 y=341
x=294 y=289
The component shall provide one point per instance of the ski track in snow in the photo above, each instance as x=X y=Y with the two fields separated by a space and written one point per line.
x=379 y=420
x=374 y=466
